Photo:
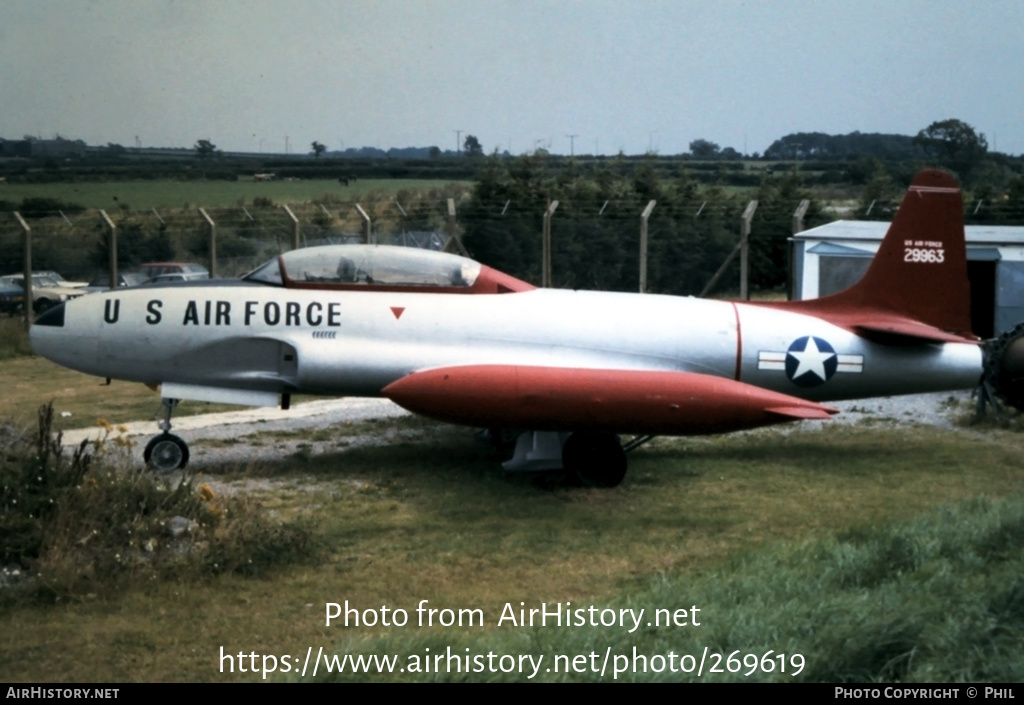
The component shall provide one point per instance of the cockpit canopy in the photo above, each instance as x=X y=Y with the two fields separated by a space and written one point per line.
x=378 y=266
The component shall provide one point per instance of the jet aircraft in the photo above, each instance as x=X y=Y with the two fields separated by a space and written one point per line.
x=449 y=338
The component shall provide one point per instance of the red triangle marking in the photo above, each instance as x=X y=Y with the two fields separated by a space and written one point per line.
x=398 y=311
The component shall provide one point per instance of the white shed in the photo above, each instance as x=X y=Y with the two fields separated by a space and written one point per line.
x=831 y=257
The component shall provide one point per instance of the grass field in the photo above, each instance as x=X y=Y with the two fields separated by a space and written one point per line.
x=433 y=518
x=79 y=399
x=144 y=195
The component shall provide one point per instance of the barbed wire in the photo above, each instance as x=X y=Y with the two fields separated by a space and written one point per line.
x=238 y=216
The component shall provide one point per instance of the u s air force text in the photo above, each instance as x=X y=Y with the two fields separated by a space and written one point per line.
x=547 y=615
x=221 y=313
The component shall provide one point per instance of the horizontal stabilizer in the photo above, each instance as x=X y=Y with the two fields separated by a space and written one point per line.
x=578 y=399
x=910 y=330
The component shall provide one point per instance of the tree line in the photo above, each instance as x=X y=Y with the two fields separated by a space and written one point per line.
x=595 y=228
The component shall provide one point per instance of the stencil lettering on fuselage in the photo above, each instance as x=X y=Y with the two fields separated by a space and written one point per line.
x=313 y=314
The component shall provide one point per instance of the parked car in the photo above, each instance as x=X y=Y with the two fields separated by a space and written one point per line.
x=174 y=277
x=102 y=282
x=47 y=292
x=12 y=297
x=50 y=274
x=189 y=269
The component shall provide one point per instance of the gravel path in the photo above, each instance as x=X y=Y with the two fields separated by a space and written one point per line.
x=939 y=409
x=207 y=434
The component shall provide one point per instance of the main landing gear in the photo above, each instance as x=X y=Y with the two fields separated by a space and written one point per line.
x=166 y=452
x=593 y=458
x=596 y=459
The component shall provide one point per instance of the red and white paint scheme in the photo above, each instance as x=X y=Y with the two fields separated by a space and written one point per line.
x=449 y=338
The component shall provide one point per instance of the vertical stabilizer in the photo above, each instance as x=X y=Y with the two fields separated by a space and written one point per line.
x=918 y=276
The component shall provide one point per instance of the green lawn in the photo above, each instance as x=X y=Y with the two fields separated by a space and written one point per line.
x=143 y=195
x=780 y=525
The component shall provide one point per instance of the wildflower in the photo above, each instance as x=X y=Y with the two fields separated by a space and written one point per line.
x=205 y=493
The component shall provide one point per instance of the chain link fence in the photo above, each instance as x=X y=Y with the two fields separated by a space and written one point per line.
x=594 y=244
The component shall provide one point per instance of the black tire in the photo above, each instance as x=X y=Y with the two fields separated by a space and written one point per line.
x=43 y=305
x=165 y=453
x=596 y=459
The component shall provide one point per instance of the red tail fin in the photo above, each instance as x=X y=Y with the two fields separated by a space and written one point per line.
x=917 y=284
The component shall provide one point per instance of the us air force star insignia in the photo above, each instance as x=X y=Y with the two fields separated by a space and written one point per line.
x=809 y=361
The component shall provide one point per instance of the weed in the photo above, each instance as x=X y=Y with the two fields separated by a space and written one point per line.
x=13 y=338
x=1008 y=419
x=85 y=524
x=252 y=544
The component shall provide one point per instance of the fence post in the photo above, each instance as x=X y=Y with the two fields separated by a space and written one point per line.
x=367 y=224
x=721 y=270
x=798 y=227
x=26 y=240
x=213 y=241
x=452 y=224
x=454 y=242
x=748 y=215
x=798 y=216
x=112 y=250
x=643 y=245
x=545 y=275
x=295 y=227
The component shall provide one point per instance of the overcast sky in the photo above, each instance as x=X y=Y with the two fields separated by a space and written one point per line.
x=619 y=74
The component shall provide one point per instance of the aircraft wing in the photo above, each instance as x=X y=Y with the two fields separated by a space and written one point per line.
x=575 y=399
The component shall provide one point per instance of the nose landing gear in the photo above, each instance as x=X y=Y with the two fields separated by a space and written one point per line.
x=166 y=452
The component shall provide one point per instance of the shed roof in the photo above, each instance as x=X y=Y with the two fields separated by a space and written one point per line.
x=874 y=231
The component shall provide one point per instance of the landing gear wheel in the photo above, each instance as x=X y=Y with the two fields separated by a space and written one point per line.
x=166 y=453
x=1004 y=367
x=596 y=459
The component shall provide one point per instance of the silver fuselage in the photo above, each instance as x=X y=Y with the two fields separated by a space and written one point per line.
x=244 y=336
